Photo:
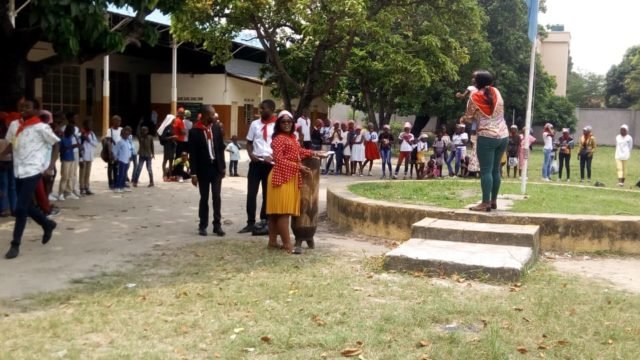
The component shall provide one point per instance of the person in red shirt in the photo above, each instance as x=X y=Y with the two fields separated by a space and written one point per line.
x=180 y=131
x=285 y=180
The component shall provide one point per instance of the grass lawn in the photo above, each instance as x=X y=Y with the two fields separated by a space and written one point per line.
x=235 y=300
x=571 y=198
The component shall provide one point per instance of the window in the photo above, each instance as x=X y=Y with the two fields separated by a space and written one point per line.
x=61 y=90
x=248 y=113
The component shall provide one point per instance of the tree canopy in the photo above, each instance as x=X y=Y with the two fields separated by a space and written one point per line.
x=78 y=30
x=586 y=90
x=408 y=50
x=623 y=81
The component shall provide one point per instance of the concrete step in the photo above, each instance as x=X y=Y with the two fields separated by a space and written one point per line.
x=471 y=260
x=472 y=232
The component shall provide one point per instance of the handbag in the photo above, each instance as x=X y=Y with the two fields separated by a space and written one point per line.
x=554 y=167
x=512 y=162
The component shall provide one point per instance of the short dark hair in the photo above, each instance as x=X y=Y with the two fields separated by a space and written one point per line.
x=269 y=104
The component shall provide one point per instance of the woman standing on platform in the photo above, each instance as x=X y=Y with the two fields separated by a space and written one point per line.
x=285 y=180
x=487 y=107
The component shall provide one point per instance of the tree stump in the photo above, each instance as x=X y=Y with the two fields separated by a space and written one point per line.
x=304 y=226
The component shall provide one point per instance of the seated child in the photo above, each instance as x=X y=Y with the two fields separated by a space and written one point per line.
x=431 y=170
x=464 y=167
x=182 y=168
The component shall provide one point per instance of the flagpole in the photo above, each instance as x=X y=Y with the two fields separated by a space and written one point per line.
x=532 y=71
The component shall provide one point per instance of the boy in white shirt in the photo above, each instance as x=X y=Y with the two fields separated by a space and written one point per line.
x=234 y=149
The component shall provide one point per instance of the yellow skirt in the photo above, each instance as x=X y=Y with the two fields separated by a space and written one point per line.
x=283 y=199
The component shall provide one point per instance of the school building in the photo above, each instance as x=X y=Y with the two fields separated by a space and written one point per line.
x=140 y=80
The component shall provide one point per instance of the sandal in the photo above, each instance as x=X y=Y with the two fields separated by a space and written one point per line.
x=483 y=207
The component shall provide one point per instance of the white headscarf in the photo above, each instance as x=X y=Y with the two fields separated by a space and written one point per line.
x=167 y=120
x=283 y=113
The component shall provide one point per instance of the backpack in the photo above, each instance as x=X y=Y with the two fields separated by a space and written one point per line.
x=107 y=143
x=166 y=133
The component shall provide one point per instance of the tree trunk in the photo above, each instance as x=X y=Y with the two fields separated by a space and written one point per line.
x=421 y=121
x=368 y=102
x=16 y=79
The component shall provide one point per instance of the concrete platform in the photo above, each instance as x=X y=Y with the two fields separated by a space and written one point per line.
x=472 y=260
x=475 y=232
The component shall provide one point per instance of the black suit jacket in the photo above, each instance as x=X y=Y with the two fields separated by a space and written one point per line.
x=199 y=152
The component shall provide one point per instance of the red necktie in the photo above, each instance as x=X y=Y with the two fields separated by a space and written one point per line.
x=265 y=124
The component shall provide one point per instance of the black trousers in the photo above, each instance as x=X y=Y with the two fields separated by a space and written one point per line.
x=258 y=174
x=181 y=146
x=564 y=159
x=233 y=168
x=585 y=161
x=25 y=208
x=112 y=173
x=209 y=180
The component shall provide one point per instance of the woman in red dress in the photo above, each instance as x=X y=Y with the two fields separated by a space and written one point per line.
x=285 y=180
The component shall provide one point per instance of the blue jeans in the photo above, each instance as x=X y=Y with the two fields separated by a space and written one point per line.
x=339 y=151
x=122 y=174
x=25 y=207
x=138 y=169
x=385 y=155
x=8 y=198
x=546 y=165
x=455 y=154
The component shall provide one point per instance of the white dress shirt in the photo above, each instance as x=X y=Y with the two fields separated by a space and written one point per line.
x=261 y=147
x=305 y=126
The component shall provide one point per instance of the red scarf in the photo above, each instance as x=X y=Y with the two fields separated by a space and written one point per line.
x=25 y=124
x=207 y=129
x=480 y=100
x=266 y=124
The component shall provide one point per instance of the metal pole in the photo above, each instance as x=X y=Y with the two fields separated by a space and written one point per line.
x=532 y=70
x=174 y=78
x=12 y=13
x=105 y=95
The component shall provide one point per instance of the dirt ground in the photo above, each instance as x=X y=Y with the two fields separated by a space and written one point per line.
x=108 y=232
x=620 y=273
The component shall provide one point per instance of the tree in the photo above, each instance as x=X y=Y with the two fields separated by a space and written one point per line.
x=77 y=29
x=586 y=90
x=307 y=42
x=510 y=58
x=409 y=49
x=619 y=79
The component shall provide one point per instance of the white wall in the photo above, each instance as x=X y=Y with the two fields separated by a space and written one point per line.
x=208 y=87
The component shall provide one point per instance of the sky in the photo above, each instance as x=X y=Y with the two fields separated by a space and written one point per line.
x=601 y=31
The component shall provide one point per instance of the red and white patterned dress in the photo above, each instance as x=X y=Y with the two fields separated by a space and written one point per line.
x=285 y=179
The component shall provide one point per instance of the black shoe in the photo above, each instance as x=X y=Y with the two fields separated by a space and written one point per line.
x=12 y=253
x=48 y=231
x=202 y=232
x=88 y=192
x=218 y=231
x=246 y=229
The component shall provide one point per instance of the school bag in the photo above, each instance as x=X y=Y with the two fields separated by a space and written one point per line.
x=166 y=134
x=107 y=143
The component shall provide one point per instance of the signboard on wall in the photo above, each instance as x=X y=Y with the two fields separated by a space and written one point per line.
x=193 y=107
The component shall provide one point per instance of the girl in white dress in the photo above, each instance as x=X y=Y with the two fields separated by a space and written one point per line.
x=357 y=152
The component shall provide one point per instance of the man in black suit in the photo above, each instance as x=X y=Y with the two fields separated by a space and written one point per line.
x=206 y=155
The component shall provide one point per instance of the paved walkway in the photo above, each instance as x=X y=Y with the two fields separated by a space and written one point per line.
x=107 y=231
